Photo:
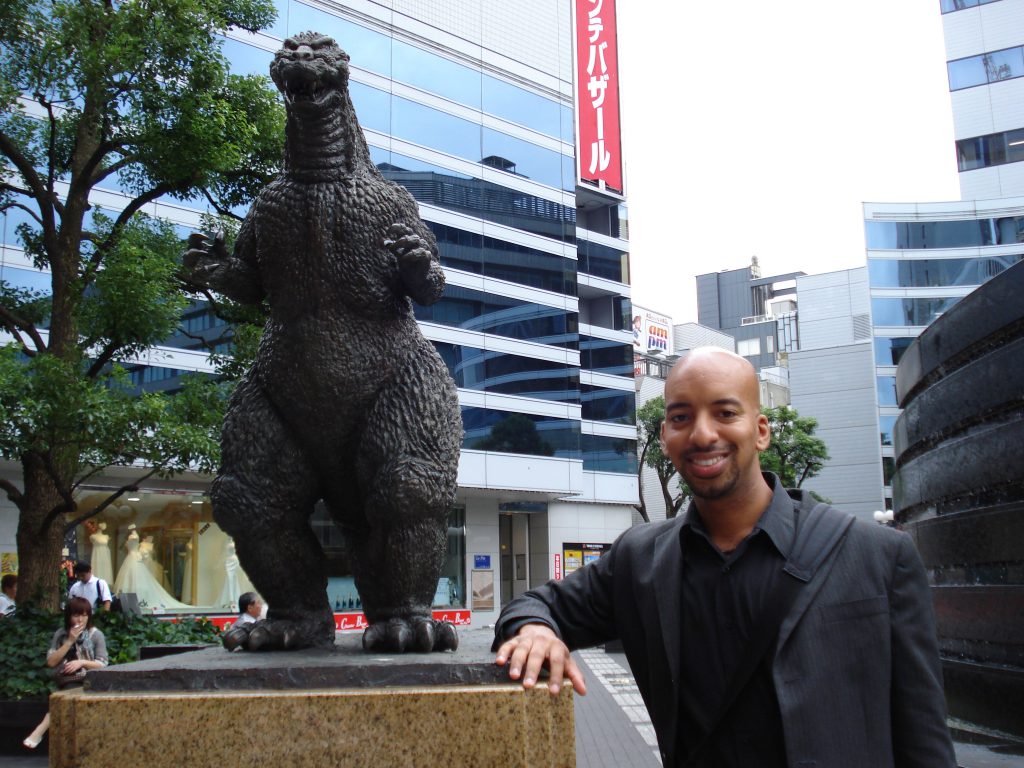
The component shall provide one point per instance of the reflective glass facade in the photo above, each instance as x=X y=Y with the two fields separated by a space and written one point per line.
x=892 y=235
x=919 y=269
x=993 y=149
x=948 y=6
x=986 y=68
x=933 y=273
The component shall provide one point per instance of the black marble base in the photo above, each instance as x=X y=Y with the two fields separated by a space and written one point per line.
x=345 y=665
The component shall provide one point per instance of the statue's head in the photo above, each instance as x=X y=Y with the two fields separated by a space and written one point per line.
x=311 y=72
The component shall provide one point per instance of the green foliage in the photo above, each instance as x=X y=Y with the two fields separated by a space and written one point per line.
x=25 y=638
x=515 y=433
x=134 y=96
x=648 y=426
x=794 y=454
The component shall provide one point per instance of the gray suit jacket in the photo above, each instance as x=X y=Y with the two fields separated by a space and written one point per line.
x=856 y=670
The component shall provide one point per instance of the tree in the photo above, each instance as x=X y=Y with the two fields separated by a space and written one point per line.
x=648 y=426
x=515 y=433
x=795 y=454
x=134 y=96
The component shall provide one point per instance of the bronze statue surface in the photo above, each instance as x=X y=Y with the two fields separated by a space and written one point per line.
x=347 y=402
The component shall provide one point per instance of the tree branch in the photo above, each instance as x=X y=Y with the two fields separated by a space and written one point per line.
x=24 y=166
x=108 y=501
x=221 y=210
x=12 y=491
x=25 y=208
x=13 y=323
x=642 y=506
x=101 y=360
x=126 y=214
x=17 y=190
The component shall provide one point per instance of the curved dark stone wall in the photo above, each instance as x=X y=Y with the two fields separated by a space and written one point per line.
x=959 y=490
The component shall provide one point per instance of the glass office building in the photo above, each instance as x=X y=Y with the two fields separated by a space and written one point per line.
x=922 y=259
x=471 y=107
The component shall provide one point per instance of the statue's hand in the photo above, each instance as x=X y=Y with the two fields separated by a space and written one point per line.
x=203 y=258
x=413 y=254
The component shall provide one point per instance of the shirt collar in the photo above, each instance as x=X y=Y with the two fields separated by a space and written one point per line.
x=778 y=521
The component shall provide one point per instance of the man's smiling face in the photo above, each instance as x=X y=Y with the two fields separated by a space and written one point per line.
x=713 y=428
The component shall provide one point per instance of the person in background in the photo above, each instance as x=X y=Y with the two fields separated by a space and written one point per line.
x=8 y=591
x=92 y=588
x=249 y=606
x=76 y=648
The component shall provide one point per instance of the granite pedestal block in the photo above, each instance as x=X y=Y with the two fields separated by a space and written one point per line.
x=325 y=707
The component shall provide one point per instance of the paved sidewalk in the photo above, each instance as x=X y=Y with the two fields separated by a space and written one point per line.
x=606 y=738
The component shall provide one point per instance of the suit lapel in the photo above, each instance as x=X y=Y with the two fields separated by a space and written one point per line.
x=668 y=580
x=805 y=597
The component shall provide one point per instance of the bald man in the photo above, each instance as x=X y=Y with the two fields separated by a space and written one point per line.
x=763 y=629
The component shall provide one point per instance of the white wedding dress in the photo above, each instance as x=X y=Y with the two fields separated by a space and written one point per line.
x=136 y=576
x=102 y=567
x=232 y=588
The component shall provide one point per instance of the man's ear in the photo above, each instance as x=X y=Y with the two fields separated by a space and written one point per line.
x=764 y=432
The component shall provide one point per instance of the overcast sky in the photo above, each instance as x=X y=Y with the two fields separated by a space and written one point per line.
x=757 y=128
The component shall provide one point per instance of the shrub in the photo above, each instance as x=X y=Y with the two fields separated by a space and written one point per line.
x=25 y=637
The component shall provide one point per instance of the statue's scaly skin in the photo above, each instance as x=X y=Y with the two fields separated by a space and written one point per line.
x=346 y=402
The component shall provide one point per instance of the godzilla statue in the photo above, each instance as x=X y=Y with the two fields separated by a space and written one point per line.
x=346 y=401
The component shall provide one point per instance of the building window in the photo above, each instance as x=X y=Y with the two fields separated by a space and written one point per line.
x=886 y=425
x=887 y=390
x=164 y=547
x=920 y=235
x=888 y=470
x=948 y=6
x=993 y=149
x=910 y=312
x=989 y=67
x=889 y=351
x=748 y=347
x=931 y=273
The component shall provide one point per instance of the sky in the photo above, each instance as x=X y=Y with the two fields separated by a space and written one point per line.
x=759 y=128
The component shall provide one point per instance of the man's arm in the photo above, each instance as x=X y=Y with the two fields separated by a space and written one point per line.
x=542 y=625
x=920 y=735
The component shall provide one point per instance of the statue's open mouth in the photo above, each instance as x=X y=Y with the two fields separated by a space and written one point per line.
x=310 y=90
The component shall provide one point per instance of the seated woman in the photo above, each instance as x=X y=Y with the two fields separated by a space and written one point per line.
x=75 y=649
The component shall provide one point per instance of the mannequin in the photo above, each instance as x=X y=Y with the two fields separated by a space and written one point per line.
x=149 y=558
x=232 y=588
x=186 y=576
x=102 y=566
x=135 y=575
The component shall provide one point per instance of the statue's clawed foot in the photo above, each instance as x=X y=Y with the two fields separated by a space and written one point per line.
x=278 y=635
x=415 y=635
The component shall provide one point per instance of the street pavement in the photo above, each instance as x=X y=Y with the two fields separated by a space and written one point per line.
x=613 y=729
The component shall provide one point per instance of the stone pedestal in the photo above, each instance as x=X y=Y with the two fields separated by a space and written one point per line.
x=312 y=708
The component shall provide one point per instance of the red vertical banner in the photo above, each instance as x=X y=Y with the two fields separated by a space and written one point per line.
x=599 y=153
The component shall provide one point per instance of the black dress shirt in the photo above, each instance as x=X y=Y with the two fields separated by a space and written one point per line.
x=723 y=598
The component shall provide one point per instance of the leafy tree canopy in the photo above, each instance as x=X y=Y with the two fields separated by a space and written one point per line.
x=795 y=454
x=101 y=96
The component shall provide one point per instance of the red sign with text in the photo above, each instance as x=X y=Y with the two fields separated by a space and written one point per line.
x=558 y=566
x=356 y=621
x=597 y=94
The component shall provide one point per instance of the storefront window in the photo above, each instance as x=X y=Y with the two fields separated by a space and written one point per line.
x=341 y=588
x=163 y=547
